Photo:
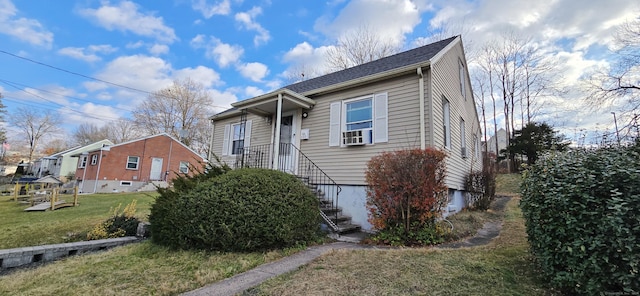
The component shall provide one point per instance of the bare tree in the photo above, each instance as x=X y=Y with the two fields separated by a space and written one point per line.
x=357 y=47
x=619 y=84
x=88 y=133
x=181 y=110
x=35 y=126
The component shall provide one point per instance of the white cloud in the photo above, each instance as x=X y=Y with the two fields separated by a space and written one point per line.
x=254 y=71
x=88 y=54
x=307 y=60
x=89 y=113
x=158 y=49
x=391 y=20
x=224 y=54
x=208 y=10
x=252 y=91
x=222 y=100
x=201 y=74
x=24 y=29
x=126 y=17
x=248 y=22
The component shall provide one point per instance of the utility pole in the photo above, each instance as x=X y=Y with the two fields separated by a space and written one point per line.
x=615 y=121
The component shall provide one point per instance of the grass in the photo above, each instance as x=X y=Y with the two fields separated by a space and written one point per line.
x=503 y=267
x=136 y=269
x=20 y=229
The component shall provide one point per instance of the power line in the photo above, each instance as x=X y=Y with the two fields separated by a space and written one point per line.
x=57 y=94
x=93 y=78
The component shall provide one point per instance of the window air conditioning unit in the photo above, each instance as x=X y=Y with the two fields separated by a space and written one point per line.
x=356 y=137
x=464 y=152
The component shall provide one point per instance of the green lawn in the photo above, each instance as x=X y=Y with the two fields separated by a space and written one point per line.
x=503 y=267
x=19 y=228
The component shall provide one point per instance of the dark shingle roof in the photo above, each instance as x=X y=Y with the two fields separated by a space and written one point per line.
x=405 y=58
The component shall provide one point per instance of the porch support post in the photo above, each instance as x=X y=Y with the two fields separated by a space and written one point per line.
x=276 y=142
x=423 y=143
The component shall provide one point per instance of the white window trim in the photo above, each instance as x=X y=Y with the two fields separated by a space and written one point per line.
x=463 y=80
x=186 y=167
x=137 y=163
x=463 y=138
x=126 y=183
x=82 y=163
x=94 y=159
x=379 y=117
x=446 y=118
x=227 y=143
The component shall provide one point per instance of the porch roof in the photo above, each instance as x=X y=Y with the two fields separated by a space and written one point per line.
x=267 y=104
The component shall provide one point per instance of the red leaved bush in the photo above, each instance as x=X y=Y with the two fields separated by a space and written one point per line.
x=406 y=188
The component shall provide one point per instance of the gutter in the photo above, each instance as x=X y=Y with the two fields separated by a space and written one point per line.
x=422 y=120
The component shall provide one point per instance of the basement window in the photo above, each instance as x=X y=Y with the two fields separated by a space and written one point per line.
x=125 y=183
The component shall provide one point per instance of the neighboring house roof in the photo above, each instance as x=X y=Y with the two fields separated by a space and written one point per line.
x=48 y=179
x=148 y=137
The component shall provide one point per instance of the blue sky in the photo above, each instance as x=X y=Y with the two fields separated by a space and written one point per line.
x=239 y=49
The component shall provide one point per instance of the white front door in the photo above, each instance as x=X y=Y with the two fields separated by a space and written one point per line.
x=156 y=169
x=286 y=160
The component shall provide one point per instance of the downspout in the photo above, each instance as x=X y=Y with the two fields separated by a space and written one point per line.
x=95 y=184
x=166 y=174
x=84 y=171
x=432 y=134
x=276 y=142
x=423 y=144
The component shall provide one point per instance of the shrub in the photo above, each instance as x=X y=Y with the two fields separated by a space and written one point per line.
x=582 y=212
x=406 y=191
x=118 y=225
x=481 y=189
x=240 y=210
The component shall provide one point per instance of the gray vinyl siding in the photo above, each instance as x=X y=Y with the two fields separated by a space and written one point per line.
x=347 y=165
x=260 y=135
x=445 y=82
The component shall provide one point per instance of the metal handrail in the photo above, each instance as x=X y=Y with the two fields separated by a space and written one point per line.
x=292 y=160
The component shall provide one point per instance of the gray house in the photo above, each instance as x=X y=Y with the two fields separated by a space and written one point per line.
x=325 y=129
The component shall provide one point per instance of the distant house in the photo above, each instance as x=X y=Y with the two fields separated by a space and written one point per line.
x=325 y=129
x=501 y=138
x=134 y=165
x=61 y=165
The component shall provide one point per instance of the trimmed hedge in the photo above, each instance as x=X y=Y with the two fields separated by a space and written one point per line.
x=582 y=211
x=242 y=210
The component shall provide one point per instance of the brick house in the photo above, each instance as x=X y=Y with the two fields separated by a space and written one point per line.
x=135 y=165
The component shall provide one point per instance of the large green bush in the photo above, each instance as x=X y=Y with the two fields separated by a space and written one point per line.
x=582 y=211
x=241 y=210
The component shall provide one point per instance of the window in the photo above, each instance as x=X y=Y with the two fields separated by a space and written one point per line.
x=366 y=116
x=476 y=147
x=184 y=167
x=461 y=73
x=132 y=162
x=463 y=139
x=125 y=183
x=236 y=138
x=82 y=162
x=359 y=114
x=94 y=159
x=446 y=123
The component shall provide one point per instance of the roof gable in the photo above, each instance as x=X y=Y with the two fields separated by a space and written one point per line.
x=399 y=60
x=155 y=136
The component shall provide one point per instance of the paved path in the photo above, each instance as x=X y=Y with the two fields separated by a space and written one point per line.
x=256 y=276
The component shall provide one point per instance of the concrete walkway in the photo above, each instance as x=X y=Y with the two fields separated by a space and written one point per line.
x=244 y=281
x=256 y=276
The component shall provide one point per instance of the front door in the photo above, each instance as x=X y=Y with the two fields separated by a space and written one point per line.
x=156 y=169
x=286 y=160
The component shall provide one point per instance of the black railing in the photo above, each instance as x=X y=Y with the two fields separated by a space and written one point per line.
x=293 y=161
